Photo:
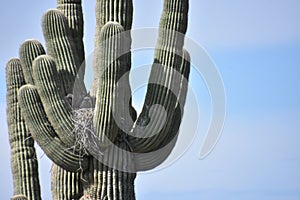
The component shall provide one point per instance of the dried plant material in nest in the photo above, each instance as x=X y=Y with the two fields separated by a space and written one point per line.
x=83 y=129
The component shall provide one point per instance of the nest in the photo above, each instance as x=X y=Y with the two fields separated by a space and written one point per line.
x=83 y=129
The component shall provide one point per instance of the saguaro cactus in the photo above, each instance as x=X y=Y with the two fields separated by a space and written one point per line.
x=23 y=157
x=95 y=139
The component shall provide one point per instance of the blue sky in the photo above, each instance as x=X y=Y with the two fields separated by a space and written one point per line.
x=256 y=48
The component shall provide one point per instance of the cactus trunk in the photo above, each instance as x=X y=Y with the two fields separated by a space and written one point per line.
x=64 y=184
x=103 y=182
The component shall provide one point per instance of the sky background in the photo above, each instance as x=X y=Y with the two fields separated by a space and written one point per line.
x=255 y=45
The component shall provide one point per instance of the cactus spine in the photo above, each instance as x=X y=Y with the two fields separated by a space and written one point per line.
x=50 y=105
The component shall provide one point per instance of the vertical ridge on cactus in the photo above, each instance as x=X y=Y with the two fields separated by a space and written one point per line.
x=43 y=132
x=65 y=184
x=72 y=9
x=104 y=122
x=24 y=162
x=57 y=110
x=109 y=11
x=165 y=145
x=168 y=59
x=29 y=50
x=61 y=47
x=107 y=182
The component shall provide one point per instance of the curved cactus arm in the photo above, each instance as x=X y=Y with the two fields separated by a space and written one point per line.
x=148 y=161
x=43 y=132
x=57 y=109
x=61 y=47
x=23 y=155
x=72 y=9
x=65 y=185
x=182 y=83
x=104 y=122
x=28 y=51
x=164 y=81
x=112 y=61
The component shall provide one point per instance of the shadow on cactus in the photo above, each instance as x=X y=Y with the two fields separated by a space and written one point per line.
x=95 y=139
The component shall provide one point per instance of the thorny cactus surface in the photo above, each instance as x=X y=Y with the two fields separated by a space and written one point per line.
x=95 y=140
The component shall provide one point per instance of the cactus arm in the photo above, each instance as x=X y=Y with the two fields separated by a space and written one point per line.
x=48 y=84
x=72 y=9
x=104 y=123
x=182 y=93
x=112 y=60
x=43 y=132
x=174 y=18
x=23 y=155
x=173 y=102
x=109 y=11
x=151 y=160
x=116 y=11
x=109 y=182
x=61 y=47
x=28 y=51
x=61 y=179
x=57 y=109
x=165 y=74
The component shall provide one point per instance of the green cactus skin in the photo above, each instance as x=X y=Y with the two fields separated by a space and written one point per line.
x=56 y=108
x=70 y=187
x=72 y=9
x=107 y=183
x=51 y=78
x=23 y=155
x=65 y=184
x=43 y=132
x=169 y=58
x=105 y=126
x=60 y=46
x=116 y=11
x=163 y=143
x=28 y=51
x=120 y=11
